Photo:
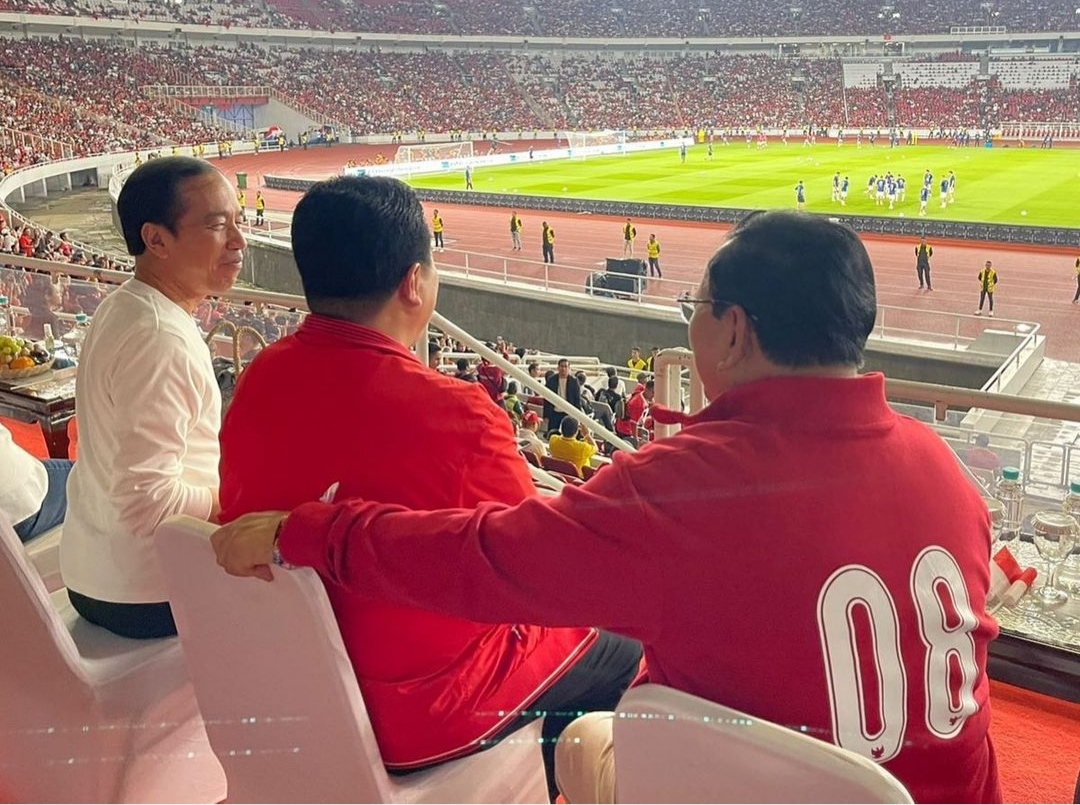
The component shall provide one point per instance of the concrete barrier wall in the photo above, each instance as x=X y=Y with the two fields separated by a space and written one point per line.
x=575 y=325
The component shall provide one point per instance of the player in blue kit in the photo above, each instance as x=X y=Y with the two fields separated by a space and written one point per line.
x=901 y=189
x=843 y=202
x=944 y=193
x=836 y=186
x=952 y=187
x=880 y=193
x=924 y=198
x=800 y=196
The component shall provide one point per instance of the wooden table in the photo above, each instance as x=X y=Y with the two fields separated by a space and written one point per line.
x=48 y=399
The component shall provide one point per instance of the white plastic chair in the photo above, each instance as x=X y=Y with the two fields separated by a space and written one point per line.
x=283 y=709
x=674 y=747
x=44 y=555
x=88 y=716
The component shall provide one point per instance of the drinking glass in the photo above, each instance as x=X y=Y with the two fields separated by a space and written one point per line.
x=1055 y=537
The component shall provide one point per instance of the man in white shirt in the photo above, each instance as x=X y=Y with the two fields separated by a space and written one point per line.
x=147 y=400
x=527 y=437
x=33 y=493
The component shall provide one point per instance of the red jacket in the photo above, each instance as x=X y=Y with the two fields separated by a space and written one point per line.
x=799 y=552
x=341 y=403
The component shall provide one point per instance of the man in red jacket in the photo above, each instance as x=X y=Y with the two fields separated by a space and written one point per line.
x=343 y=401
x=789 y=553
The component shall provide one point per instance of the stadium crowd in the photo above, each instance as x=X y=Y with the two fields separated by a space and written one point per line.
x=629 y=18
x=79 y=97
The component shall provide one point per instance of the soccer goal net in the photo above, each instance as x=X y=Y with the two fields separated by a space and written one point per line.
x=433 y=152
x=579 y=141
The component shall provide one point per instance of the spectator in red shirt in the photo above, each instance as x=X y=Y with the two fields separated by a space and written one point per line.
x=797 y=477
x=436 y=687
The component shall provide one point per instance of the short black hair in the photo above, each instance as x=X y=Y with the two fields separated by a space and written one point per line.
x=512 y=387
x=355 y=238
x=568 y=427
x=462 y=364
x=806 y=282
x=613 y=382
x=151 y=195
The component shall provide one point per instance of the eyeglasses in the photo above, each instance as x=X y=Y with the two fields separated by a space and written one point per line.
x=686 y=306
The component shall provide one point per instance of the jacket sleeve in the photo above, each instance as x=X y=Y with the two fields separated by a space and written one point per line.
x=547 y=561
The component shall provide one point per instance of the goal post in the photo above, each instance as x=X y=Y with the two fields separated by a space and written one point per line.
x=578 y=141
x=433 y=152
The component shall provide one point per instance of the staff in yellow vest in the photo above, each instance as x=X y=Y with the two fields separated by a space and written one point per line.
x=629 y=233
x=437 y=230
x=987 y=282
x=547 y=242
x=260 y=208
x=241 y=199
x=1076 y=298
x=654 y=256
x=515 y=231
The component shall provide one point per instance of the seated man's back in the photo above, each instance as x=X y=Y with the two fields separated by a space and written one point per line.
x=345 y=401
x=433 y=684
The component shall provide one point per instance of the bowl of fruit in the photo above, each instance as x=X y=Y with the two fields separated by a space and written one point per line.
x=21 y=358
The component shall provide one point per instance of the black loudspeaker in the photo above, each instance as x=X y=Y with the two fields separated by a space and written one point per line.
x=632 y=267
x=624 y=286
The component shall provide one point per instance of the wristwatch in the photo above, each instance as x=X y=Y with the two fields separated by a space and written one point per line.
x=276 y=556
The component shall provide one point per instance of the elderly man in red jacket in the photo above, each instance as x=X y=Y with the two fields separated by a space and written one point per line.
x=343 y=401
x=791 y=542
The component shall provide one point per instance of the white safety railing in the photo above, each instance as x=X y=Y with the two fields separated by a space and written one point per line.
x=561 y=276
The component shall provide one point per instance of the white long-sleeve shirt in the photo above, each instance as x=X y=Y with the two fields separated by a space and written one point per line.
x=149 y=412
x=23 y=480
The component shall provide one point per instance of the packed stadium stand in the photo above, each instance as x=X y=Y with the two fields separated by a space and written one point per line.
x=91 y=97
x=629 y=18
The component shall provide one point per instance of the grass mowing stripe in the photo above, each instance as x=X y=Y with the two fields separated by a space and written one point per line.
x=994 y=185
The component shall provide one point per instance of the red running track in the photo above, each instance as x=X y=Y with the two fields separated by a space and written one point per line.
x=1035 y=284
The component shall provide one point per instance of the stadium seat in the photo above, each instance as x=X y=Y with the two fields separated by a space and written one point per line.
x=44 y=554
x=674 y=747
x=283 y=709
x=89 y=716
x=28 y=436
x=531 y=457
x=560 y=466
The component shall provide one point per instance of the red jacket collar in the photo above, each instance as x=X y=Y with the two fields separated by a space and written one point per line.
x=802 y=403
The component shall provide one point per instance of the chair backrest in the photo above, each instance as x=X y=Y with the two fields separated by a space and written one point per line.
x=282 y=706
x=671 y=746
x=48 y=694
x=600 y=408
x=530 y=457
x=560 y=465
x=28 y=436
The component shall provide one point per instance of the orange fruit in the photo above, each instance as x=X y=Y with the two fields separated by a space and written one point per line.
x=21 y=363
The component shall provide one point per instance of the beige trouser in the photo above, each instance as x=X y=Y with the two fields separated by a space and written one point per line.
x=585 y=760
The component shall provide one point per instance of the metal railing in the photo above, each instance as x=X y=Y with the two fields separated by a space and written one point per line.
x=1048 y=464
x=559 y=276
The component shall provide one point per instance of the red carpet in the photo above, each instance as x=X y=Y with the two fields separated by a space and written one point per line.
x=1037 y=739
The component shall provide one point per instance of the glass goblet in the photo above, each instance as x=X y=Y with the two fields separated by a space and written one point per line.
x=1055 y=537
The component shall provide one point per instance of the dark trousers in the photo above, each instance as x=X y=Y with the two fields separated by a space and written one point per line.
x=654 y=265
x=596 y=682
x=1076 y=297
x=924 y=276
x=983 y=296
x=549 y=253
x=438 y=240
x=136 y=621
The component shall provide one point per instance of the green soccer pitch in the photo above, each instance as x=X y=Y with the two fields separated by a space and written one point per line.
x=993 y=185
